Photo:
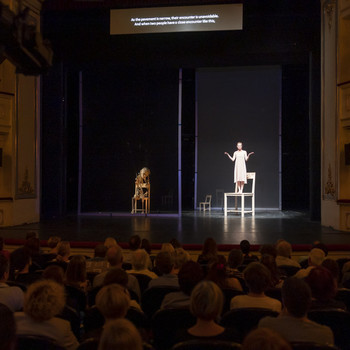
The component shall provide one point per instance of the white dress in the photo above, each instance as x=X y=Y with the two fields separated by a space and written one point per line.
x=240 y=172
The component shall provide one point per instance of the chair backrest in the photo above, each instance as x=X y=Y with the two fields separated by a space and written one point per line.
x=228 y=295
x=166 y=323
x=206 y=345
x=208 y=198
x=275 y=293
x=311 y=346
x=89 y=344
x=152 y=299
x=245 y=319
x=143 y=281
x=338 y=321
x=31 y=342
x=288 y=270
x=250 y=176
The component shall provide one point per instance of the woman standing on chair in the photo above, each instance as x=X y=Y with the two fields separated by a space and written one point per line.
x=240 y=173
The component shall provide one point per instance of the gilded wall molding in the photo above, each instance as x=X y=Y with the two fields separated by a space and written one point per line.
x=329 y=7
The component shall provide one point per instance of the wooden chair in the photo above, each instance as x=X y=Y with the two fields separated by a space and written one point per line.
x=243 y=195
x=207 y=202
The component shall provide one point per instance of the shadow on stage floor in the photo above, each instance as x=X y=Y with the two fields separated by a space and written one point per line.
x=191 y=228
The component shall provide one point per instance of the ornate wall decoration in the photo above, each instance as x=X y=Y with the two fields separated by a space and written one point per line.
x=329 y=189
x=329 y=9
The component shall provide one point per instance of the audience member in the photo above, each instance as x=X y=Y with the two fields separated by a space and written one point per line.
x=268 y=249
x=3 y=252
x=114 y=257
x=265 y=339
x=333 y=267
x=247 y=256
x=165 y=265
x=110 y=242
x=146 y=245
x=316 y=258
x=122 y=335
x=175 y=243
x=323 y=289
x=134 y=244
x=217 y=274
x=345 y=282
x=293 y=323
x=76 y=273
x=98 y=263
x=52 y=243
x=209 y=253
x=167 y=247
x=23 y=262
x=33 y=246
x=54 y=273
x=189 y=275
x=206 y=305
x=63 y=254
x=8 y=328
x=234 y=260
x=140 y=262
x=180 y=257
x=284 y=254
x=12 y=297
x=257 y=278
x=44 y=300
x=270 y=262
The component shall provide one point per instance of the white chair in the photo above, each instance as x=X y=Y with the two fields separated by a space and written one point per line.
x=236 y=195
x=207 y=202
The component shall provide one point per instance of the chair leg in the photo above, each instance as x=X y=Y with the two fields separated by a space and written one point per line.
x=225 y=204
x=253 y=205
x=242 y=206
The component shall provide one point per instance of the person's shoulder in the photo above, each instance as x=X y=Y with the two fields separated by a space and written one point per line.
x=268 y=321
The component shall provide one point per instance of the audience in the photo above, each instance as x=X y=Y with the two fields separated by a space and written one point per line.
x=167 y=247
x=23 y=262
x=12 y=297
x=180 y=257
x=134 y=244
x=76 y=273
x=270 y=262
x=140 y=262
x=63 y=254
x=265 y=339
x=175 y=243
x=8 y=328
x=268 y=249
x=122 y=335
x=247 y=256
x=146 y=245
x=293 y=323
x=333 y=267
x=54 y=273
x=206 y=305
x=209 y=253
x=110 y=242
x=98 y=263
x=165 y=265
x=52 y=243
x=189 y=275
x=43 y=301
x=3 y=252
x=257 y=278
x=323 y=289
x=284 y=254
x=316 y=258
x=235 y=259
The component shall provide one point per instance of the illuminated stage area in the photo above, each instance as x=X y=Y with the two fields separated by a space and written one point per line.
x=190 y=228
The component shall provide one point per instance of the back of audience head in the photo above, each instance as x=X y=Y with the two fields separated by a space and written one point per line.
x=8 y=328
x=257 y=277
x=189 y=275
x=33 y=245
x=207 y=301
x=265 y=339
x=316 y=257
x=235 y=258
x=4 y=268
x=146 y=245
x=134 y=242
x=284 y=249
x=175 y=243
x=31 y=234
x=113 y=301
x=217 y=272
x=100 y=251
x=270 y=262
x=268 y=249
x=164 y=262
x=139 y=259
x=322 y=246
x=76 y=270
x=180 y=257
x=167 y=247
x=63 y=251
x=333 y=267
x=245 y=247
x=20 y=259
x=116 y=276
x=54 y=273
x=114 y=255
x=322 y=284
x=210 y=247
x=44 y=300
x=296 y=296
x=110 y=242
x=53 y=241
x=120 y=334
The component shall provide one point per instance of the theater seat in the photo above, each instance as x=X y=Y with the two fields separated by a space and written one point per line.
x=228 y=295
x=287 y=270
x=311 y=346
x=31 y=342
x=143 y=281
x=206 y=345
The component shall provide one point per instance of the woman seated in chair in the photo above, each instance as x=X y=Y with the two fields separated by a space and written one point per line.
x=206 y=305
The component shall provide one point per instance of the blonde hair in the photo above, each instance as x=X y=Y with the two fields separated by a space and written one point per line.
x=139 y=259
x=206 y=300
x=63 y=249
x=167 y=247
x=44 y=300
x=265 y=339
x=284 y=248
x=120 y=334
x=113 y=301
x=180 y=257
x=316 y=256
x=110 y=242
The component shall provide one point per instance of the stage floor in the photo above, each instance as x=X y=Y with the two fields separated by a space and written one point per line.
x=190 y=228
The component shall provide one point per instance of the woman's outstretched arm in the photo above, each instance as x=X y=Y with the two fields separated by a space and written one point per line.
x=249 y=155
x=232 y=158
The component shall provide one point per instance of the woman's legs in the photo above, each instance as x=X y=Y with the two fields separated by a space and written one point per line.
x=240 y=185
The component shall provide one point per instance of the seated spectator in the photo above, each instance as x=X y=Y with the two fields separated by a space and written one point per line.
x=234 y=260
x=316 y=258
x=209 y=253
x=217 y=274
x=120 y=334
x=257 y=278
x=134 y=244
x=44 y=300
x=333 y=267
x=175 y=243
x=206 y=305
x=52 y=254
x=33 y=246
x=8 y=328
x=284 y=254
x=3 y=252
x=146 y=245
x=23 y=274
x=114 y=257
x=165 y=265
x=265 y=339
x=110 y=242
x=345 y=282
x=293 y=323
x=12 y=297
x=180 y=257
x=98 y=263
x=247 y=256
x=323 y=289
x=167 y=247
x=63 y=254
x=270 y=262
x=140 y=263
x=268 y=249
x=76 y=273
x=54 y=273
x=189 y=275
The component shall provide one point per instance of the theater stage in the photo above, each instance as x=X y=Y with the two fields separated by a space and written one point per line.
x=191 y=228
